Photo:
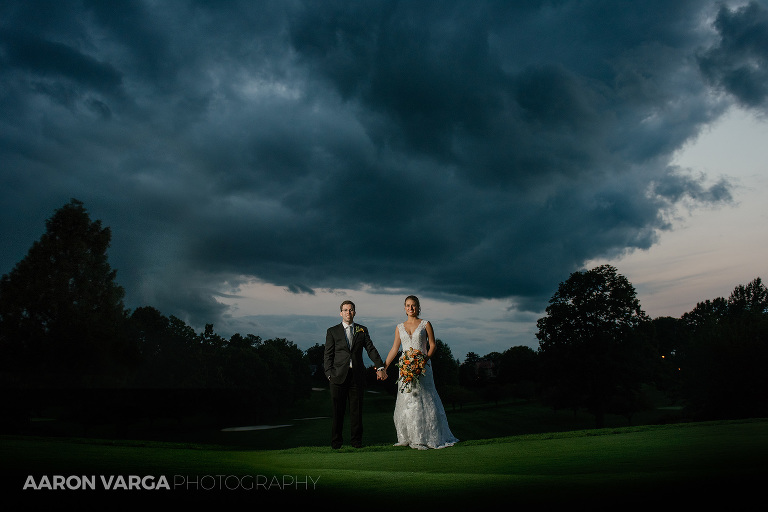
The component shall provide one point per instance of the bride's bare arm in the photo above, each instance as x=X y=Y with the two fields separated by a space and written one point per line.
x=394 y=350
x=431 y=337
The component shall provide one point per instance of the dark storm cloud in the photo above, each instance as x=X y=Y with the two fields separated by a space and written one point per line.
x=739 y=62
x=46 y=58
x=455 y=149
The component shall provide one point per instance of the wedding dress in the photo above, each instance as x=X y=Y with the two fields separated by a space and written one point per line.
x=420 y=418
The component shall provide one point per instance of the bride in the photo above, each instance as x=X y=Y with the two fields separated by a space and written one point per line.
x=420 y=418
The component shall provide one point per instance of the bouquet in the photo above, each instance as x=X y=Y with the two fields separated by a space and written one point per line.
x=412 y=366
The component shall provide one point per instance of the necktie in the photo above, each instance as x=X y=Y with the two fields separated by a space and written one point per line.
x=348 y=331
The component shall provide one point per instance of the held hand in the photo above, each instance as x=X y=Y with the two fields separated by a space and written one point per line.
x=381 y=374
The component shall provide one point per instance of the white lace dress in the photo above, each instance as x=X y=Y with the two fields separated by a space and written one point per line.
x=420 y=418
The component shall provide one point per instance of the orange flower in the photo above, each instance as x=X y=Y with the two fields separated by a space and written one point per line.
x=412 y=364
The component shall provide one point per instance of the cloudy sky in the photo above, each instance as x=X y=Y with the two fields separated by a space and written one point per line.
x=258 y=162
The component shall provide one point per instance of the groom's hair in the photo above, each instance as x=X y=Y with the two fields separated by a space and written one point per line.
x=347 y=302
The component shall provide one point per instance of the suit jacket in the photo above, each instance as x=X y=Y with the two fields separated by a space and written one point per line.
x=338 y=354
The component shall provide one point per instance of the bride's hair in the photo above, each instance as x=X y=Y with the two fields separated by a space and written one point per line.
x=416 y=300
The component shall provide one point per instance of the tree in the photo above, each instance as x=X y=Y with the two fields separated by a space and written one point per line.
x=723 y=366
x=518 y=371
x=751 y=299
x=468 y=370
x=61 y=310
x=669 y=343
x=591 y=343
x=444 y=367
x=169 y=349
x=289 y=372
x=315 y=357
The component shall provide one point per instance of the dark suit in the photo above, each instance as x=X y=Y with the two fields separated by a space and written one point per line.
x=347 y=382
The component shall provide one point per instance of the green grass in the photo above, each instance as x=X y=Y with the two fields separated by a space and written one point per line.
x=685 y=463
x=674 y=463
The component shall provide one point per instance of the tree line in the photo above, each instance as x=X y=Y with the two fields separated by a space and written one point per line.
x=64 y=327
x=66 y=336
x=600 y=352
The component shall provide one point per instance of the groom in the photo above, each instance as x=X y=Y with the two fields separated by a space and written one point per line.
x=343 y=364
